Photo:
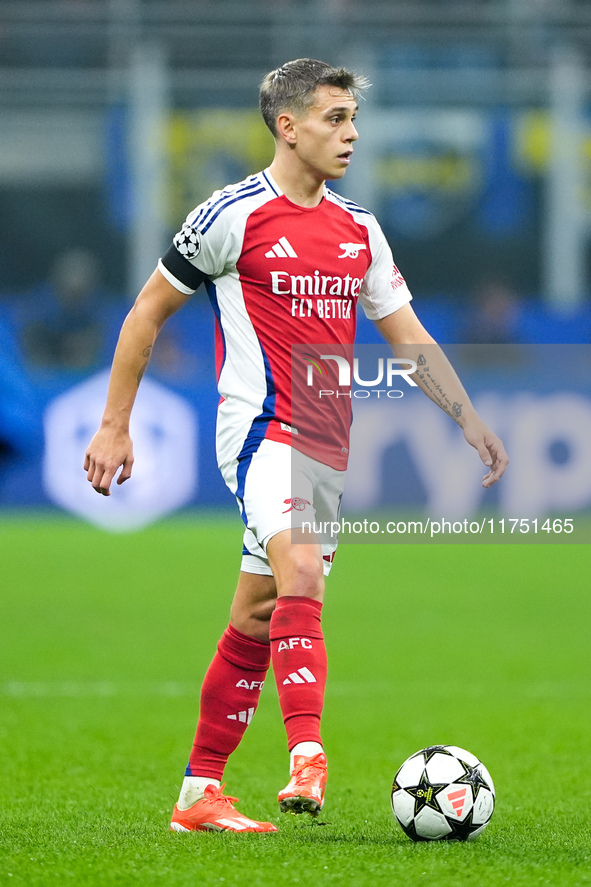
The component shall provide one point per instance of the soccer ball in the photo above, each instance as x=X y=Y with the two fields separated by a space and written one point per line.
x=443 y=793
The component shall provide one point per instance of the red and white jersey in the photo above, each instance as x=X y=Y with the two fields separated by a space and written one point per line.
x=279 y=275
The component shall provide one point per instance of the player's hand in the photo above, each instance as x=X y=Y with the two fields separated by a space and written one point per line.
x=107 y=452
x=490 y=449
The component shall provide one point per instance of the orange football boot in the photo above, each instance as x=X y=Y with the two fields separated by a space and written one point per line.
x=215 y=812
x=305 y=791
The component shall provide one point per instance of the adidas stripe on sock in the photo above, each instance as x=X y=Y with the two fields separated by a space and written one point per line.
x=299 y=663
x=229 y=697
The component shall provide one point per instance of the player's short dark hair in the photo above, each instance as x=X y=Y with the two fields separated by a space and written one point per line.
x=292 y=86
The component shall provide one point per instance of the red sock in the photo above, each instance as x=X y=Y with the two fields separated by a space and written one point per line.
x=299 y=662
x=229 y=697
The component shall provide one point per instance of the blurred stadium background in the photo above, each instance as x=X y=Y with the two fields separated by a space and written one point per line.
x=118 y=116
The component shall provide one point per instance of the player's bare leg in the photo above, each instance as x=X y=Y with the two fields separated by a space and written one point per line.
x=253 y=605
x=229 y=698
x=297 y=565
x=299 y=663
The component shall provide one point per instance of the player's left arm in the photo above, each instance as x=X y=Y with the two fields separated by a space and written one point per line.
x=437 y=378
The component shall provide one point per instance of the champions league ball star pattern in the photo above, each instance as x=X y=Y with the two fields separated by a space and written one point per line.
x=187 y=242
x=443 y=793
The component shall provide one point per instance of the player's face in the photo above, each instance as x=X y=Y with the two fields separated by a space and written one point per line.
x=325 y=135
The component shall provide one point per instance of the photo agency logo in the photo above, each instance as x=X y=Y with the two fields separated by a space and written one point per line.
x=389 y=372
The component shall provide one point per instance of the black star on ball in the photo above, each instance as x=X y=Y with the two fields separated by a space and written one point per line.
x=425 y=794
x=474 y=778
x=433 y=750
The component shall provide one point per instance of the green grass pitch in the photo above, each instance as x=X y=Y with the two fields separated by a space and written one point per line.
x=103 y=642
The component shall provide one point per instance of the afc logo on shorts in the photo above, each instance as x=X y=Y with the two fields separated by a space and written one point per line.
x=296 y=504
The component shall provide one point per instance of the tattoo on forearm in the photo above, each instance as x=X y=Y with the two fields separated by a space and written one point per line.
x=145 y=353
x=433 y=388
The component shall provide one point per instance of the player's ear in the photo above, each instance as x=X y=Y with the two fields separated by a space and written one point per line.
x=286 y=128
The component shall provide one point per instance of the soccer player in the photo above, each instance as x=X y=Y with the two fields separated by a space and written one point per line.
x=284 y=261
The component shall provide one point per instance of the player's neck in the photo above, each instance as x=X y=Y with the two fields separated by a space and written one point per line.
x=299 y=185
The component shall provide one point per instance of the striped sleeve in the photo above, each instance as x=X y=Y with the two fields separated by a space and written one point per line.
x=200 y=249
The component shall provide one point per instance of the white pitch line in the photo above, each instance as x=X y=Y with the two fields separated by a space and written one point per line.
x=95 y=689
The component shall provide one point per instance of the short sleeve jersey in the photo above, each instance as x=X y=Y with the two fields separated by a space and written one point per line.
x=278 y=275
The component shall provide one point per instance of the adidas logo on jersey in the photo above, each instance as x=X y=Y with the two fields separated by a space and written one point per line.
x=282 y=250
x=301 y=676
x=245 y=717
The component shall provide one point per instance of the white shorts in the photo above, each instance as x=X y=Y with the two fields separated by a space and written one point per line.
x=278 y=488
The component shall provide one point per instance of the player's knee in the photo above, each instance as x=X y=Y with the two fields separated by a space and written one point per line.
x=305 y=577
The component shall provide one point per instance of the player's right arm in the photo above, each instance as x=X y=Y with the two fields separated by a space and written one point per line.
x=111 y=447
x=385 y=300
